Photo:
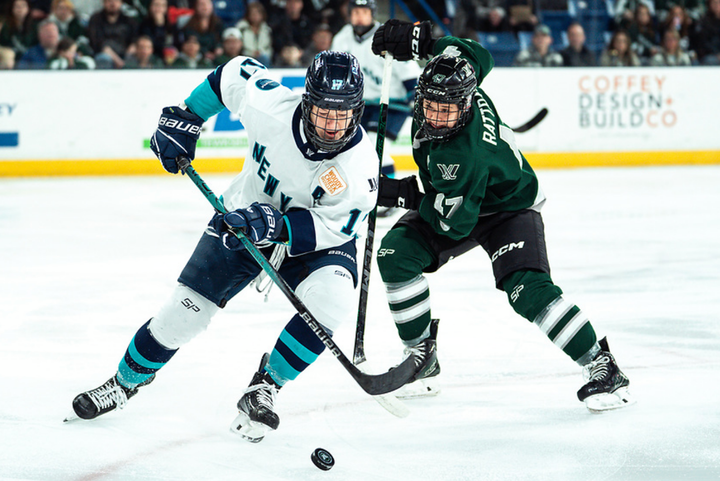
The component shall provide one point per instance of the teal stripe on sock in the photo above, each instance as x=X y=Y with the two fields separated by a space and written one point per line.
x=129 y=378
x=279 y=369
x=138 y=358
x=305 y=354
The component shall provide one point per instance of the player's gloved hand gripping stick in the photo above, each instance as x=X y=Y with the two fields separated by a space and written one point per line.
x=373 y=384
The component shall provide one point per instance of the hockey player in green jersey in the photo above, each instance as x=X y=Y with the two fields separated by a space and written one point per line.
x=478 y=189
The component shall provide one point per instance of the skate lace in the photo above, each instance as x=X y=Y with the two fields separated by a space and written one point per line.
x=419 y=351
x=108 y=395
x=598 y=369
x=264 y=394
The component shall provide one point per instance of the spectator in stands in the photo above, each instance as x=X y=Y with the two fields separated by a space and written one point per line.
x=678 y=19
x=495 y=21
x=480 y=15
x=321 y=41
x=293 y=29
x=522 y=15
x=206 y=27
x=708 y=35
x=671 y=54
x=256 y=34
x=143 y=56
x=643 y=35
x=232 y=45
x=39 y=9
x=156 y=25
x=335 y=15
x=618 y=52
x=626 y=11
x=37 y=57
x=693 y=8
x=576 y=54
x=191 y=56
x=290 y=56
x=68 y=57
x=539 y=53
x=275 y=10
x=84 y=9
x=19 y=32
x=63 y=15
x=111 y=33
x=7 y=58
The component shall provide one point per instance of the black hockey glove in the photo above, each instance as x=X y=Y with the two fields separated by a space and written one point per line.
x=177 y=133
x=405 y=40
x=400 y=193
x=260 y=222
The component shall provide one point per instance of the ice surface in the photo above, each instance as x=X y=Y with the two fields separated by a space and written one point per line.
x=84 y=262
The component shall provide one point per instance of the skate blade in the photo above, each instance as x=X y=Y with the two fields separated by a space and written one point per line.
x=251 y=431
x=422 y=388
x=72 y=417
x=609 y=401
x=392 y=405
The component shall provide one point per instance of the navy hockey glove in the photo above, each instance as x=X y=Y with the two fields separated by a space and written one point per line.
x=405 y=40
x=177 y=133
x=399 y=193
x=260 y=222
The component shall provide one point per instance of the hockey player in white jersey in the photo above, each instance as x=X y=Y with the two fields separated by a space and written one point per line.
x=356 y=38
x=309 y=179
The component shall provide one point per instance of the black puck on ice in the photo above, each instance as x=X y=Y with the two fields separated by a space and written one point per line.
x=322 y=459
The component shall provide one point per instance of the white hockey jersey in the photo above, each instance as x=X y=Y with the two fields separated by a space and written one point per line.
x=372 y=65
x=325 y=197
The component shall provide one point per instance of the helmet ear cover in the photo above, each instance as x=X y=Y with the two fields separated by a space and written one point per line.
x=334 y=81
x=446 y=79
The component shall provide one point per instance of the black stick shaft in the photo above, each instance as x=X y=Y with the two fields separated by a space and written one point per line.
x=359 y=349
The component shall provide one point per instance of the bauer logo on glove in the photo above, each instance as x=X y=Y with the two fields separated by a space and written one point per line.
x=176 y=136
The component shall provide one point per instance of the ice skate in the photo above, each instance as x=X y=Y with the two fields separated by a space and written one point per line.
x=101 y=400
x=425 y=382
x=256 y=416
x=607 y=386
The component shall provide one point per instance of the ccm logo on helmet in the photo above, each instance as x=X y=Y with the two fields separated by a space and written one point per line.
x=179 y=125
x=507 y=248
x=439 y=93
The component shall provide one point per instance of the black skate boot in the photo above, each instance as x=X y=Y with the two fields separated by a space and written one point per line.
x=424 y=383
x=108 y=397
x=256 y=415
x=607 y=386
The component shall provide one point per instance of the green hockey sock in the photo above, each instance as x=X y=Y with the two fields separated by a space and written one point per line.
x=534 y=296
x=410 y=309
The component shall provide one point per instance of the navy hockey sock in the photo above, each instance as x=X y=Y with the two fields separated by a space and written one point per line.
x=143 y=358
x=296 y=348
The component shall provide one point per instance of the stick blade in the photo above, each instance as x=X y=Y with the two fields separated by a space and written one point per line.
x=532 y=122
x=389 y=381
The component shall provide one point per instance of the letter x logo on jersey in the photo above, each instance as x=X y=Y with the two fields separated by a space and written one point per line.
x=448 y=172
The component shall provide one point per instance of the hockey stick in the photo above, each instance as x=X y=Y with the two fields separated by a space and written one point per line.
x=359 y=351
x=532 y=122
x=373 y=384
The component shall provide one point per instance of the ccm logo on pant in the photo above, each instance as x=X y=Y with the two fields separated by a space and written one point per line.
x=507 y=248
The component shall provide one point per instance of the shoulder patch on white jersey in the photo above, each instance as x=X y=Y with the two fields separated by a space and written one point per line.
x=332 y=182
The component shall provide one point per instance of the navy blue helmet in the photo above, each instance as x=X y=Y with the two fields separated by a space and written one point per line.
x=446 y=80
x=333 y=82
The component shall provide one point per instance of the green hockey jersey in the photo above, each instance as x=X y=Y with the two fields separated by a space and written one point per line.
x=479 y=170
